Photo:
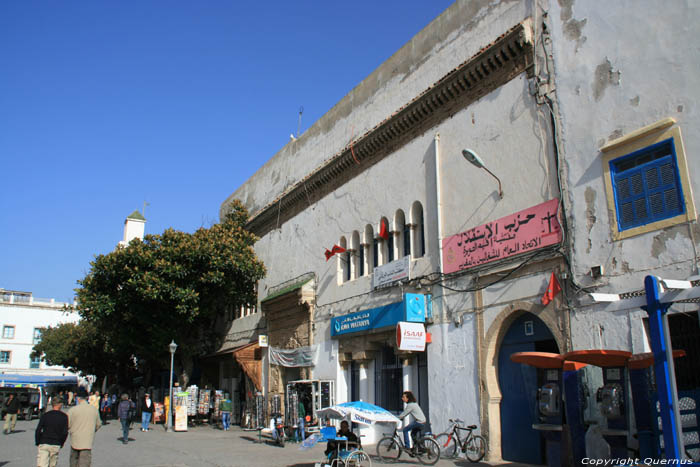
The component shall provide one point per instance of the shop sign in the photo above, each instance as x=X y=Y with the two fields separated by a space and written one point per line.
x=410 y=336
x=412 y=308
x=262 y=340
x=524 y=231
x=181 y=418
x=392 y=272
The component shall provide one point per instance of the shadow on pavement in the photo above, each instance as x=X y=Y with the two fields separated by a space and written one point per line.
x=251 y=439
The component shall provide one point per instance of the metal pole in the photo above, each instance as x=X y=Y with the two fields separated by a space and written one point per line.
x=661 y=346
x=169 y=426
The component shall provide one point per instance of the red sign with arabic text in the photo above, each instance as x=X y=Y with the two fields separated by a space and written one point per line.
x=524 y=231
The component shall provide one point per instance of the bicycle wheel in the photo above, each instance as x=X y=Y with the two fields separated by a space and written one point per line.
x=358 y=459
x=476 y=448
x=388 y=450
x=428 y=451
x=447 y=444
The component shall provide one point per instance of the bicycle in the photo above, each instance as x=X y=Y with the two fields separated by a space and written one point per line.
x=426 y=449
x=474 y=446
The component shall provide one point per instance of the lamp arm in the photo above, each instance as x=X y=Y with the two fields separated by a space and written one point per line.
x=500 y=190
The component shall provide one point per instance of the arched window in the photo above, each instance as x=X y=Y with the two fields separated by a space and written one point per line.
x=354 y=256
x=418 y=229
x=343 y=263
x=386 y=240
x=368 y=250
x=403 y=242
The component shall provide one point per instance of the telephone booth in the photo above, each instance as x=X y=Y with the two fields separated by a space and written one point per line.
x=613 y=397
x=560 y=403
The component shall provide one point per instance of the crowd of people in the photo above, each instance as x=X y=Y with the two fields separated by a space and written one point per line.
x=79 y=415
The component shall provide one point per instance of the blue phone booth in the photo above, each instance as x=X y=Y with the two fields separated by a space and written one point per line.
x=645 y=413
x=559 y=399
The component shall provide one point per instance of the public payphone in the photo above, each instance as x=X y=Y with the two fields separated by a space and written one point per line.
x=559 y=406
x=613 y=397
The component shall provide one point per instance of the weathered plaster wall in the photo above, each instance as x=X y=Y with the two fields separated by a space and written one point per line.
x=621 y=66
x=453 y=374
x=456 y=35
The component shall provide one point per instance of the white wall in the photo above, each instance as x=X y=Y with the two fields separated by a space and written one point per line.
x=621 y=66
x=25 y=318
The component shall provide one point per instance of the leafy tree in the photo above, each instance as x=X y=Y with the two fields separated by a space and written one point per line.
x=78 y=346
x=171 y=286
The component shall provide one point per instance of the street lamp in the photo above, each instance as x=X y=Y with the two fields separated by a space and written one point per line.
x=474 y=158
x=172 y=347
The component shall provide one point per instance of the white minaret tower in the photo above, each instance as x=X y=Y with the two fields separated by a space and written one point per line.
x=134 y=227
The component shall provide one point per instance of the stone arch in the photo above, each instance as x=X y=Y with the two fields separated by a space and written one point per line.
x=491 y=395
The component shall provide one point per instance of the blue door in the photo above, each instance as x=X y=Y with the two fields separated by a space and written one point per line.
x=518 y=384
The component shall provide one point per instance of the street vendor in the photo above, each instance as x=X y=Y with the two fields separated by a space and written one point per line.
x=333 y=445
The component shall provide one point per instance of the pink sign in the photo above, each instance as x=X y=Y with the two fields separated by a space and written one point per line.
x=527 y=230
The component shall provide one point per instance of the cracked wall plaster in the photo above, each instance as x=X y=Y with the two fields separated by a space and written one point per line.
x=604 y=77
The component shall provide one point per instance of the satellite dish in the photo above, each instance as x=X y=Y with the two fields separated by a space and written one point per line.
x=473 y=157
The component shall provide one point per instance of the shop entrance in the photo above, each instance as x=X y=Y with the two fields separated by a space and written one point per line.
x=518 y=384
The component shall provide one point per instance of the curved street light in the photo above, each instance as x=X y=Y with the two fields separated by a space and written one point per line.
x=474 y=158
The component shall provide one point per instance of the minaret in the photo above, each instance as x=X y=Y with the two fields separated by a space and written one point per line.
x=134 y=226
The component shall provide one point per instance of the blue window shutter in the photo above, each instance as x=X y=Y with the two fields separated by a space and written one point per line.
x=647 y=186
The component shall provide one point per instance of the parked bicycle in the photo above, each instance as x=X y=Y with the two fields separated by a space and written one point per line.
x=474 y=446
x=425 y=449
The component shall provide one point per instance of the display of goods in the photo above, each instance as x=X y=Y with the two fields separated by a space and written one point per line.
x=218 y=397
x=193 y=393
x=204 y=401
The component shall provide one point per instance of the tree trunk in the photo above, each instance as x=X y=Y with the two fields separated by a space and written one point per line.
x=187 y=366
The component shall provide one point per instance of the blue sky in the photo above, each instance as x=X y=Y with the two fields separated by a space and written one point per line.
x=107 y=104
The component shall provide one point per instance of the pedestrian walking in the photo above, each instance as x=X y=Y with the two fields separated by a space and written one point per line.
x=225 y=407
x=146 y=412
x=104 y=408
x=51 y=434
x=124 y=414
x=83 y=422
x=11 y=408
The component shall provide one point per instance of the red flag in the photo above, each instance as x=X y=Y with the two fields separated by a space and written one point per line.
x=552 y=290
x=383 y=230
x=336 y=249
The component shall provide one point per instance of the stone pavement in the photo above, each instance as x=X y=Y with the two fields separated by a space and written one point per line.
x=200 y=446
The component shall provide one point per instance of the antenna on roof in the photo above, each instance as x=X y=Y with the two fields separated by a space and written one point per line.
x=143 y=211
x=301 y=111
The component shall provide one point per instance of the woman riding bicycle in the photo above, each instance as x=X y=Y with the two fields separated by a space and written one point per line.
x=412 y=408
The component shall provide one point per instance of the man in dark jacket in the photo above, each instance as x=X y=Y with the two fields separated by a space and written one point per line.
x=11 y=408
x=50 y=434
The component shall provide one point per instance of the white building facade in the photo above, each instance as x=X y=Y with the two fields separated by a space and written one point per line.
x=565 y=104
x=23 y=320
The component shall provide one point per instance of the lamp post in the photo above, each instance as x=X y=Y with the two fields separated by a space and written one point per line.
x=474 y=158
x=172 y=347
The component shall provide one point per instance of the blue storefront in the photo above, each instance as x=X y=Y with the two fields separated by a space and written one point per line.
x=378 y=371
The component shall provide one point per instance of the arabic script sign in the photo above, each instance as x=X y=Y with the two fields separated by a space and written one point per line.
x=392 y=272
x=527 y=230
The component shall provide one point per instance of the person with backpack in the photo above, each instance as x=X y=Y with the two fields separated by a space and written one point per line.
x=124 y=413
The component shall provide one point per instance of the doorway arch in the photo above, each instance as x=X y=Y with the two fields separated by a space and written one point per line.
x=496 y=329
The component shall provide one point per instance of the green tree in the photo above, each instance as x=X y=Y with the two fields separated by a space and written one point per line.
x=78 y=346
x=171 y=286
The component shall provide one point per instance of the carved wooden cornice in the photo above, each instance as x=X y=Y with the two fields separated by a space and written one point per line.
x=493 y=66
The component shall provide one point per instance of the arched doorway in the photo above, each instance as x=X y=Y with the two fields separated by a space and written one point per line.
x=518 y=384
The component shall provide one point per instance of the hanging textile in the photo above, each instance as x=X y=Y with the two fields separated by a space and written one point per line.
x=302 y=356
